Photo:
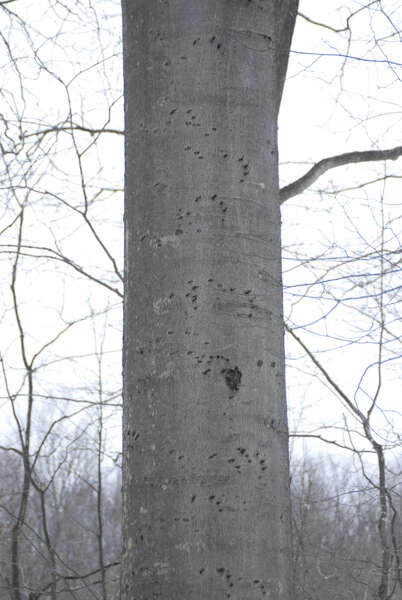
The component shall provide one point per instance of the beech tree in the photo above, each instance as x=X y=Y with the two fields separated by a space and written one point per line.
x=206 y=481
x=205 y=471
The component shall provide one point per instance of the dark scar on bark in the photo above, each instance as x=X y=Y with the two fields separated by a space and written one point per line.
x=232 y=378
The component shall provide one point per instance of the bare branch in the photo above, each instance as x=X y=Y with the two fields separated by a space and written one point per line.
x=349 y=57
x=327 y=441
x=334 y=29
x=70 y=128
x=304 y=182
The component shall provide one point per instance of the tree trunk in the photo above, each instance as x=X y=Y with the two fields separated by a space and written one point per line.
x=206 y=485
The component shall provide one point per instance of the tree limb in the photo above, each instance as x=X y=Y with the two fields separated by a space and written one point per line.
x=285 y=17
x=301 y=184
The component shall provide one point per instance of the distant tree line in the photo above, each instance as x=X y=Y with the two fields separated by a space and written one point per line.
x=336 y=547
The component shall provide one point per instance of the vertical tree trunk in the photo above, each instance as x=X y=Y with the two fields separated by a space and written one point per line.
x=205 y=489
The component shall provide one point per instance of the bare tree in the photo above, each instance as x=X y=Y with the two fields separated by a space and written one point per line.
x=173 y=177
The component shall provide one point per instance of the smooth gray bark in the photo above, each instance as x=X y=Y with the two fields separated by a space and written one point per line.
x=205 y=475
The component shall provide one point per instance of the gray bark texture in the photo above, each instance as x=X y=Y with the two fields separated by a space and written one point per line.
x=205 y=474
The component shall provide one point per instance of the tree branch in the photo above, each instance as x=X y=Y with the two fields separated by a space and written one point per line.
x=304 y=182
x=286 y=13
